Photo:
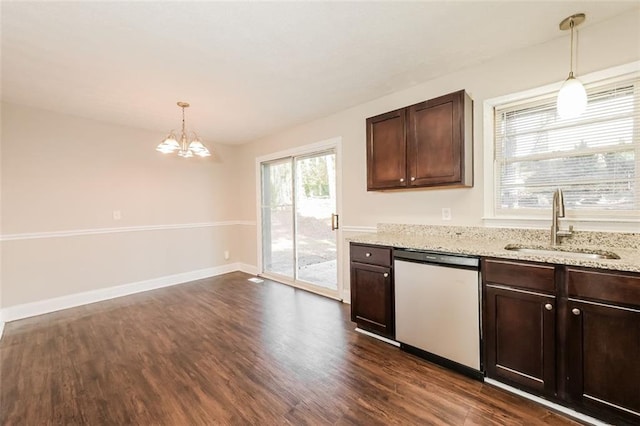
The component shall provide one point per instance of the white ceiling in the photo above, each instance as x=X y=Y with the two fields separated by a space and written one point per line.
x=252 y=69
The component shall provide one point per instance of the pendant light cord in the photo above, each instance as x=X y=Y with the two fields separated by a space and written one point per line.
x=571 y=25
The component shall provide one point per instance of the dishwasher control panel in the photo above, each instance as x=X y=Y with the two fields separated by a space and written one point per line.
x=435 y=257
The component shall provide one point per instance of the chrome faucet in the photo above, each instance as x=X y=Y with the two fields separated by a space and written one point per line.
x=557 y=212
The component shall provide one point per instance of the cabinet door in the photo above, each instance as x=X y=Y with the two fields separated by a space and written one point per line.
x=372 y=298
x=520 y=338
x=603 y=359
x=386 y=151
x=435 y=141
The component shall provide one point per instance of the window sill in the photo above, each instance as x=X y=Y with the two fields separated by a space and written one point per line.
x=582 y=224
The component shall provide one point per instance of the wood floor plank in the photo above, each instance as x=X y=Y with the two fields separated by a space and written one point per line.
x=225 y=351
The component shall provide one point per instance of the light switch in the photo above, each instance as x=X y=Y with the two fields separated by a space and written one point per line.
x=446 y=213
x=117 y=215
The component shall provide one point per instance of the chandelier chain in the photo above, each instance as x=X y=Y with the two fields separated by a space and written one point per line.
x=183 y=110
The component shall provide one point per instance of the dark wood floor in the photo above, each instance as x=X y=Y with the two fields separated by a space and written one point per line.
x=228 y=351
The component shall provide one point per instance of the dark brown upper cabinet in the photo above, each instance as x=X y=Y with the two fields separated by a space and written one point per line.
x=387 y=150
x=429 y=144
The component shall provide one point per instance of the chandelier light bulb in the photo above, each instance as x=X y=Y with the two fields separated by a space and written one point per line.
x=169 y=144
x=203 y=153
x=196 y=145
x=171 y=140
x=185 y=153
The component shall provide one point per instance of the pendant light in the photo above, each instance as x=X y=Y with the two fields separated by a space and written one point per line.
x=186 y=148
x=572 y=98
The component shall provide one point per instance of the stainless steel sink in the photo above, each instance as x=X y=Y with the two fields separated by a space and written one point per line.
x=564 y=252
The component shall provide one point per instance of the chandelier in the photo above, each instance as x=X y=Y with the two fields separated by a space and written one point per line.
x=186 y=148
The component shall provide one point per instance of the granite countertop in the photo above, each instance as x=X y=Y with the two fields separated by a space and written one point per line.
x=490 y=242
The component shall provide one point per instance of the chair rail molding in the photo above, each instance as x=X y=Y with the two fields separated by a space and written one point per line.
x=355 y=228
x=97 y=231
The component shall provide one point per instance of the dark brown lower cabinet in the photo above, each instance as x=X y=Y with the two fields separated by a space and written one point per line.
x=371 y=291
x=372 y=299
x=603 y=354
x=568 y=334
x=520 y=344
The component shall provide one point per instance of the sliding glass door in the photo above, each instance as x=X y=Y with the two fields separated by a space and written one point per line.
x=299 y=221
x=277 y=217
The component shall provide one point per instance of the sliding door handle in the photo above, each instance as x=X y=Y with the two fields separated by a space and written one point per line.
x=335 y=221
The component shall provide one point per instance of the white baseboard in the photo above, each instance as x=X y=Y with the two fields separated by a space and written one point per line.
x=565 y=410
x=247 y=269
x=32 y=309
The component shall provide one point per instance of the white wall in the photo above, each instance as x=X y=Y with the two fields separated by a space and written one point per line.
x=62 y=173
x=610 y=43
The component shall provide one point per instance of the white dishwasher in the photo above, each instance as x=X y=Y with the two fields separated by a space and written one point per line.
x=437 y=307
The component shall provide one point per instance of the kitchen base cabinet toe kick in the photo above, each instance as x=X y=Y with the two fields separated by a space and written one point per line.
x=444 y=362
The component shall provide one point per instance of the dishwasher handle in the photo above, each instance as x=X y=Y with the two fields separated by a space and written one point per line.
x=446 y=259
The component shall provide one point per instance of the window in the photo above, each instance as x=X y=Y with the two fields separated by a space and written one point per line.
x=594 y=159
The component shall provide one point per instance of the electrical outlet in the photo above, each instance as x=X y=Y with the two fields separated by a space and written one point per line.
x=446 y=213
x=117 y=215
x=226 y=255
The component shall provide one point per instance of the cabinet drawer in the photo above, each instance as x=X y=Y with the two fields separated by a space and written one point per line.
x=520 y=274
x=375 y=255
x=604 y=286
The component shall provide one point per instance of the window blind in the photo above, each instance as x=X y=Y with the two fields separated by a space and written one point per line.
x=594 y=158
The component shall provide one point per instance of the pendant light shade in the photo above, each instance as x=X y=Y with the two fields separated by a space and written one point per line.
x=572 y=97
x=169 y=145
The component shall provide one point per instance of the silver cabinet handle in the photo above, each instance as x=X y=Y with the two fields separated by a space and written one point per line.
x=367 y=255
x=548 y=306
x=575 y=311
x=401 y=179
x=412 y=178
x=386 y=274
